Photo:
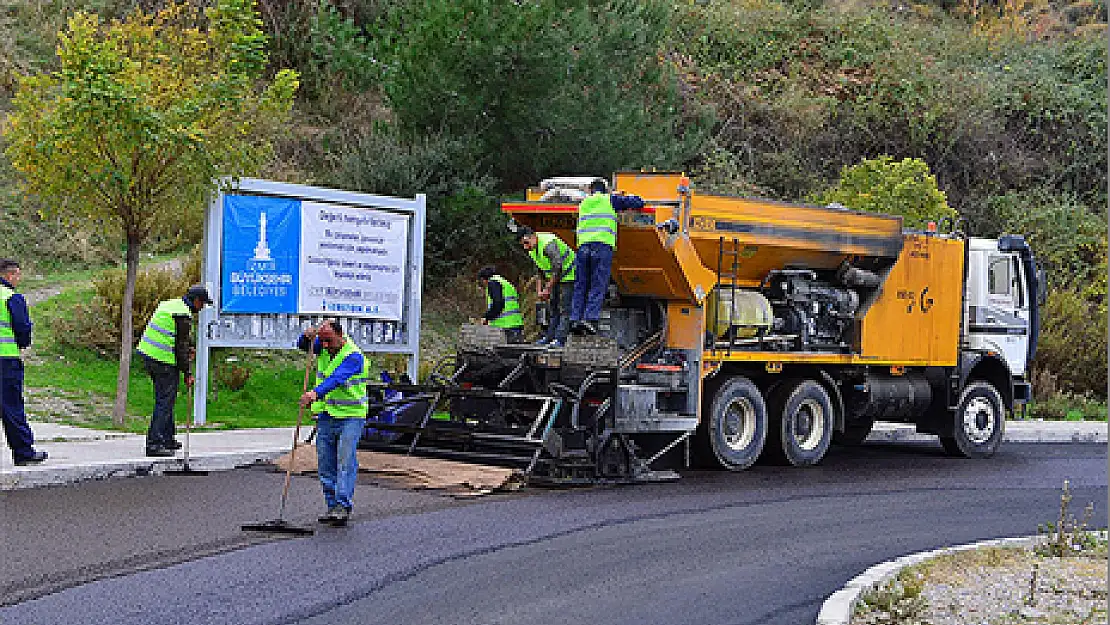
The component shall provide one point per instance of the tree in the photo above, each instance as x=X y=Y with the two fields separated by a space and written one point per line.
x=883 y=185
x=143 y=118
x=544 y=86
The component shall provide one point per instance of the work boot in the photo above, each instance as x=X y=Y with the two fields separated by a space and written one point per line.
x=331 y=515
x=589 y=328
x=35 y=458
x=339 y=519
x=159 y=452
x=173 y=444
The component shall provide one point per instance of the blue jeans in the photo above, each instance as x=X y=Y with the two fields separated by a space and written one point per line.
x=559 y=305
x=337 y=458
x=591 y=279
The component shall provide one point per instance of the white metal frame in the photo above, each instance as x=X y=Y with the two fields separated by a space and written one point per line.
x=280 y=331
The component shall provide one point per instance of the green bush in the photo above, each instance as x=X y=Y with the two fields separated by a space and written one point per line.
x=465 y=225
x=544 y=87
x=96 y=325
x=883 y=185
x=1071 y=354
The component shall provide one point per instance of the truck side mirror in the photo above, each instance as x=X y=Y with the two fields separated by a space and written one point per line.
x=1042 y=286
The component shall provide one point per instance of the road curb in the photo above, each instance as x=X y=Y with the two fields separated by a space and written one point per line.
x=1016 y=432
x=837 y=609
x=58 y=475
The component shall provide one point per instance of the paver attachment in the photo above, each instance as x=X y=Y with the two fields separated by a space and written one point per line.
x=547 y=411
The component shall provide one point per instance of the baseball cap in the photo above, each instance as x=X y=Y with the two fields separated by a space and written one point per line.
x=198 y=290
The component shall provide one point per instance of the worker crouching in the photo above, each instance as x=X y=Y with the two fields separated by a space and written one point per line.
x=502 y=305
x=340 y=402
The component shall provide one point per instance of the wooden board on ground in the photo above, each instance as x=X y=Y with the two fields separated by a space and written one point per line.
x=459 y=479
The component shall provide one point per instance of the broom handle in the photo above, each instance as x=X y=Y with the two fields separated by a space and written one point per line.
x=296 y=434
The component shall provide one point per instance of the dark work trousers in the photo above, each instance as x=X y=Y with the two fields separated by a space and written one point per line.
x=16 y=430
x=559 y=306
x=591 y=280
x=167 y=379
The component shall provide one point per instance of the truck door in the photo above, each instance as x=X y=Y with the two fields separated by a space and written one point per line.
x=1003 y=323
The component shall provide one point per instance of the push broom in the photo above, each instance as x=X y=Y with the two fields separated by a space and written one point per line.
x=186 y=468
x=280 y=525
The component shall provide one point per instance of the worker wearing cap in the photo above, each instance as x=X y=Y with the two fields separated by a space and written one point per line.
x=339 y=400
x=164 y=347
x=596 y=235
x=15 y=335
x=502 y=304
x=555 y=261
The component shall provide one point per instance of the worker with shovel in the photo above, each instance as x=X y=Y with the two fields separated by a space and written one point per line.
x=340 y=402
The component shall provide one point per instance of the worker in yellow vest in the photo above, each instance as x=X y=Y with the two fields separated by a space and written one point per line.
x=555 y=261
x=15 y=336
x=339 y=400
x=165 y=348
x=502 y=305
x=596 y=237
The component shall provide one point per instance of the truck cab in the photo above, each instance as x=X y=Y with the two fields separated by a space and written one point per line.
x=1003 y=293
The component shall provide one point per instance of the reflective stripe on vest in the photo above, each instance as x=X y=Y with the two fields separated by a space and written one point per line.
x=597 y=221
x=543 y=263
x=159 y=336
x=349 y=399
x=8 y=347
x=510 y=316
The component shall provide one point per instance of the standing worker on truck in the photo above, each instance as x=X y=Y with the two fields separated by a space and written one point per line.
x=597 y=240
x=555 y=261
x=165 y=348
x=340 y=402
x=15 y=335
x=502 y=304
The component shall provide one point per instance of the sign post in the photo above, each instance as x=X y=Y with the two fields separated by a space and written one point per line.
x=281 y=257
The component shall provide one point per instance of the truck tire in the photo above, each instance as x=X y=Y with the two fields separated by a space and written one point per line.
x=801 y=423
x=735 y=427
x=979 y=422
x=854 y=433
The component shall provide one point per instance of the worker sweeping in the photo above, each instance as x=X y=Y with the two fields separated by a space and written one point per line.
x=340 y=402
x=555 y=261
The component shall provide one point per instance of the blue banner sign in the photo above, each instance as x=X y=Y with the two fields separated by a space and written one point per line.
x=261 y=252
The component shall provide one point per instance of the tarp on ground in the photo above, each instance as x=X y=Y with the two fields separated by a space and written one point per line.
x=458 y=479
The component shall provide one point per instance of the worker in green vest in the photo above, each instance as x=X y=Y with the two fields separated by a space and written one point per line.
x=165 y=348
x=15 y=336
x=502 y=305
x=555 y=261
x=340 y=402
x=596 y=235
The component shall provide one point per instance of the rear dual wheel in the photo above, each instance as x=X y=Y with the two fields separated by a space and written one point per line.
x=735 y=428
x=801 y=423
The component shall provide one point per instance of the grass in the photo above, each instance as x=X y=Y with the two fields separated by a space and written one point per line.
x=76 y=387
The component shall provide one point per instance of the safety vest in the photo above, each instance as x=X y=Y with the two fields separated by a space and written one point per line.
x=597 y=221
x=510 y=316
x=349 y=399
x=160 y=334
x=543 y=239
x=8 y=348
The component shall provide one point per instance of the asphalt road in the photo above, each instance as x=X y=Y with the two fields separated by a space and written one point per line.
x=764 y=546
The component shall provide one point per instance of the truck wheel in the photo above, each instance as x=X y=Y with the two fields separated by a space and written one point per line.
x=854 y=433
x=736 y=425
x=979 y=422
x=801 y=423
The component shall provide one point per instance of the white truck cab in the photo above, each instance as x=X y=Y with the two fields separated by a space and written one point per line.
x=1003 y=295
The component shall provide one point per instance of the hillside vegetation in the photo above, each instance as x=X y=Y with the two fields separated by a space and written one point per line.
x=468 y=101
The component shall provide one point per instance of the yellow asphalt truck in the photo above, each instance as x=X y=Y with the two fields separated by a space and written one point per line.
x=740 y=329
